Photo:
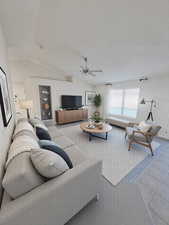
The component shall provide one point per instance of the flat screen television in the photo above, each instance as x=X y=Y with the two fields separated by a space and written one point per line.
x=71 y=102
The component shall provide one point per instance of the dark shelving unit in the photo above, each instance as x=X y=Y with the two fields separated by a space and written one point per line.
x=45 y=102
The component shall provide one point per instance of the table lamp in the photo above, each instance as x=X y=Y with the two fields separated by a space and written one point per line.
x=26 y=104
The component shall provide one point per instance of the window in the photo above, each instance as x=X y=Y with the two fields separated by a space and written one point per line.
x=124 y=102
x=115 y=102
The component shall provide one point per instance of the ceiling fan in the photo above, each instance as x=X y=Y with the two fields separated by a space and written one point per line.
x=86 y=70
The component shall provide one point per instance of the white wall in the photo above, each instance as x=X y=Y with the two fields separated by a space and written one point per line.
x=26 y=81
x=21 y=70
x=5 y=132
x=58 y=88
x=156 y=88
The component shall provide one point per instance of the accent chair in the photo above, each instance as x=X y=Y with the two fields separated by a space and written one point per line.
x=135 y=135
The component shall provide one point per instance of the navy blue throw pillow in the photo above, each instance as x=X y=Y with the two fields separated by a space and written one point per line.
x=51 y=146
x=42 y=134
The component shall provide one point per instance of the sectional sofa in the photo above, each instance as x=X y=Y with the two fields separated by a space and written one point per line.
x=28 y=198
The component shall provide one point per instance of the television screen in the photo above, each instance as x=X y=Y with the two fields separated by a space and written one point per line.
x=71 y=102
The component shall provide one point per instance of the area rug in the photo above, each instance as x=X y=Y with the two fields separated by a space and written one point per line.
x=117 y=160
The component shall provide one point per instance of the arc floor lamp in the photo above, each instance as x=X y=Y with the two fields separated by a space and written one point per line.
x=152 y=104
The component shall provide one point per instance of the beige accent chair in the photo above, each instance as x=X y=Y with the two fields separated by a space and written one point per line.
x=143 y=138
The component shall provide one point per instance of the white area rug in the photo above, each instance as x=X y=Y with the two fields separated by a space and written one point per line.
x=117 y=160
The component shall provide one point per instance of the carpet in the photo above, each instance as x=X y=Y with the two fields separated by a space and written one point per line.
x=117 y=206
x=117 y=160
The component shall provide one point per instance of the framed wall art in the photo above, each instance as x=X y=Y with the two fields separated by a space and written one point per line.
x=5 y=98
x=89 y=97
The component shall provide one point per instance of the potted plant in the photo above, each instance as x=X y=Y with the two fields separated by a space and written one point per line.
x=97 y=119
x=97 y=102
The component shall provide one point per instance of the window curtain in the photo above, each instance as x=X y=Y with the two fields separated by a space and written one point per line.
x=107 y=102
x=121 y=102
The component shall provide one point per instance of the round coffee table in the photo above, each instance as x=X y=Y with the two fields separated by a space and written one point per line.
x=94 y=131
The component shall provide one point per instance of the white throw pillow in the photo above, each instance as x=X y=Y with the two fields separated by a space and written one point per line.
x=20 y=176
x=47 y=163
x=144 y=127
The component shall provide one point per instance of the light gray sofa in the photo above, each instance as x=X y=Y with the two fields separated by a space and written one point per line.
x=57 y=200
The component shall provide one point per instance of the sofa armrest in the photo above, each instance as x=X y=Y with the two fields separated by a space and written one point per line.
x=57 y=200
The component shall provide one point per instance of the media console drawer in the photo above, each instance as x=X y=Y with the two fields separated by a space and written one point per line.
x=67 y=116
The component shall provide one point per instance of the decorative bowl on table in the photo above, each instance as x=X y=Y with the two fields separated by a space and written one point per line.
x=91 y=126
x=99 y=125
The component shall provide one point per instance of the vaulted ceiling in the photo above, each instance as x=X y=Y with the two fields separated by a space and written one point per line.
x=125 y=38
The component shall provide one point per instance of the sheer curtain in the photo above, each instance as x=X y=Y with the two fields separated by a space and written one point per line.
x=130 y=106
x=121 y=102
x=107 y=102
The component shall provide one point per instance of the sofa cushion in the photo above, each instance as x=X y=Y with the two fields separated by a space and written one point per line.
x=26 y=133
x=36 y=122
x=144 y=127
x=42 y=134
x=51 y=146
x=22 y=120
x=21 y=143
x=5 y=199
x=55 y=132
x=23 y=125
x=76 y=155
x=47 y=163
x=63 y=142
x=137 y=136
x=20 y=176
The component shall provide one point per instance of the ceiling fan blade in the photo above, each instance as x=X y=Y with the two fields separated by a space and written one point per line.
x=97 y=71
x=85 y=60
x=86 y=69
x=91 y=73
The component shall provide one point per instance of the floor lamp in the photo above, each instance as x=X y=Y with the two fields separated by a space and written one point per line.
x=26 y=104
x=152 y=104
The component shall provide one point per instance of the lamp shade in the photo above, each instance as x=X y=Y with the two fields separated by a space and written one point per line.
x=143 y=102
x=26 y=104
